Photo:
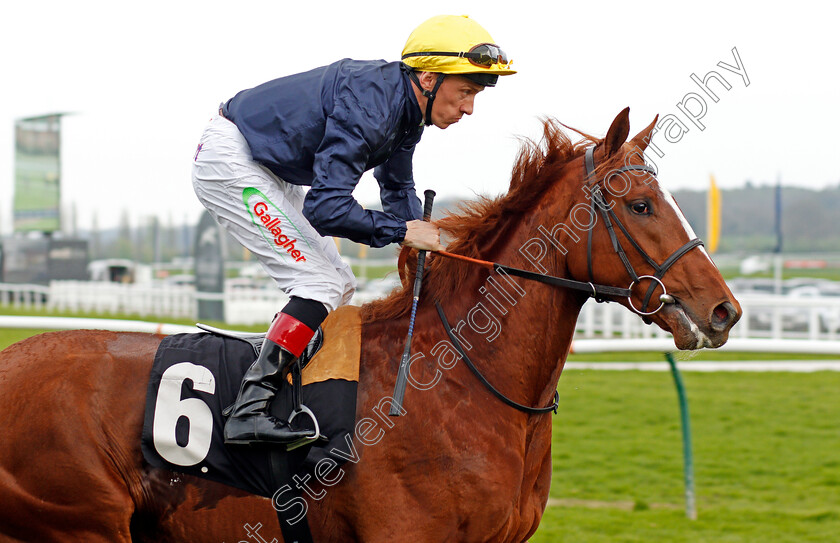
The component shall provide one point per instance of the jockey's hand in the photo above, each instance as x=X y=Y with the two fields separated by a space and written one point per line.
x=422 y=235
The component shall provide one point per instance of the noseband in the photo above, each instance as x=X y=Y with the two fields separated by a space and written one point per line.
x=610 y=219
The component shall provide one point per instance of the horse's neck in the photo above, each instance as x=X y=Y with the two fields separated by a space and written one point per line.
x=516 y=331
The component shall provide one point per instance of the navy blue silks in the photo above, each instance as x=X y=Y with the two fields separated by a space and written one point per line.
x=325 y=128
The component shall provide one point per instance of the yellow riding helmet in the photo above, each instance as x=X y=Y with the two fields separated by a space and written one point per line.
x=452 y=44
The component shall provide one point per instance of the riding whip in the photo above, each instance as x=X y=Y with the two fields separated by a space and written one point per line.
x=402 y=375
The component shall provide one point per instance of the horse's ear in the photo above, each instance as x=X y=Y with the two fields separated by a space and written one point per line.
x=618 y=132
x=641 y=140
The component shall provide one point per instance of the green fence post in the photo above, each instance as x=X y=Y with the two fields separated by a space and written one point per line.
x=688 y=459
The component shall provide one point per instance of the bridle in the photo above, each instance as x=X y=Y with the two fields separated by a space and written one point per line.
x=610 y=218
x=592 y=289
x=599 y=292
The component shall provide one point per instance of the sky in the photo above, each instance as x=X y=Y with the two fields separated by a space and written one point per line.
x=141 y=80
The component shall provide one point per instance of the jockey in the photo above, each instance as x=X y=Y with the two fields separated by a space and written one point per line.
x=323 y=129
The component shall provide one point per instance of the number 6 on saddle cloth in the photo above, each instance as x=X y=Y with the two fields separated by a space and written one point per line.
x=196 y=376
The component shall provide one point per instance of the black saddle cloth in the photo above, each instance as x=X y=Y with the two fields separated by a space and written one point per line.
x=194 y=378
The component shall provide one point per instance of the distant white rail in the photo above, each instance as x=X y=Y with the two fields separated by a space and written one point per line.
x=744 y=345
x=23 y=295
x=114 y=325
x=579 y=346
x=162 y=300
x=764 y=316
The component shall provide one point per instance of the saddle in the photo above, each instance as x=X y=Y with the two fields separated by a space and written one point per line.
x=196 y=377
x=339 y=362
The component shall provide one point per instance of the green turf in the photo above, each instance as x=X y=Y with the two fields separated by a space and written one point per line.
x=832 y=274
x=375 y=272
x=765 y=447
x=575 y=525
x=706 y=354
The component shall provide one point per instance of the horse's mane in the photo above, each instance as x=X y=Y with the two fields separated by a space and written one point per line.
x=477 y=223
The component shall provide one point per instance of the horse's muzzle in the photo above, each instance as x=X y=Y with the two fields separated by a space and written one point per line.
x=724 y=316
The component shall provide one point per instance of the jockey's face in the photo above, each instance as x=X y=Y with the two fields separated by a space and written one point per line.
x=454 y=98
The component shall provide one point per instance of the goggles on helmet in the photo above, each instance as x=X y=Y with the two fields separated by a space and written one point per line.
x=483 y=55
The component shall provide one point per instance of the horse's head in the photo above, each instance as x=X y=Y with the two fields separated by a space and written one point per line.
x=639 y=238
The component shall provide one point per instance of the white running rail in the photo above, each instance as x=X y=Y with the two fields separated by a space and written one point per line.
x=764 y=316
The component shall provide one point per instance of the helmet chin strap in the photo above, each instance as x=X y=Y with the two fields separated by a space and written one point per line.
x=430 y=95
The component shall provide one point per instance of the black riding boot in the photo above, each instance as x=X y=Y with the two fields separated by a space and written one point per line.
x=249 y=421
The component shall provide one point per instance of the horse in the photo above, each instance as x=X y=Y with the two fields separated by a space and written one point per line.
x=459 y=465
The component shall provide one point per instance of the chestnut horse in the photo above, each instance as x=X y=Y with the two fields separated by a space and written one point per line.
x=460 y=465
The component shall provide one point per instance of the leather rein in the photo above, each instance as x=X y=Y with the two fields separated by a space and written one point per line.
x=596 y=291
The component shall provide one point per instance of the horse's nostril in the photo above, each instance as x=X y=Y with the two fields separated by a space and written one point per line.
x=723 y=316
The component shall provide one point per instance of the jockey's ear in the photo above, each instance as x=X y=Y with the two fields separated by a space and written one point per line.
x=641 y=140
x=618 y=132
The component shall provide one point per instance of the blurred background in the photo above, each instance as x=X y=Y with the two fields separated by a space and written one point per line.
x=103 y=103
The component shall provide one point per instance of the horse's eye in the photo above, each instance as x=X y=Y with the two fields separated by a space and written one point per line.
x=640 y=208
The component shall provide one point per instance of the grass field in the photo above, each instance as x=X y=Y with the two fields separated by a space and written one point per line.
x=832 y=274
x=374 y=272
x=766 y=458
x=766 y=452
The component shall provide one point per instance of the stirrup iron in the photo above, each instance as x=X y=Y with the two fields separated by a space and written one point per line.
x=306 y=440
x=297 y=384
